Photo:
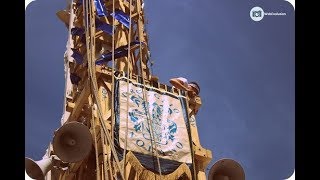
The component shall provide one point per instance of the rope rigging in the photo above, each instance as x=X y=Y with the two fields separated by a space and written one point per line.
x=145 y=98
x=90 y=35
x=90 y=32
x=104 y=126
x=128 y=75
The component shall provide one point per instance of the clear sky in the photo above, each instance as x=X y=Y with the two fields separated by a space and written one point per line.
x=246 y=71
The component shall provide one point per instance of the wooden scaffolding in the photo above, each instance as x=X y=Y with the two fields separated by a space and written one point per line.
x=107 y=39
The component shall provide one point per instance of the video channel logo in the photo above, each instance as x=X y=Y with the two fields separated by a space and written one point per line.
x=256 y=13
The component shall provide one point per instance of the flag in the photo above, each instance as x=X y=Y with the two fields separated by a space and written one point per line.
x=141 y=107
x=107 y=28
x=74 y=78
x=119 y=52
x=77 y=56
x=100 y=8
x=121 y=17
x=77 y=31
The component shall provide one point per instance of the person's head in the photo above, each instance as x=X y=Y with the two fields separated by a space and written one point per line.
x=193 y=86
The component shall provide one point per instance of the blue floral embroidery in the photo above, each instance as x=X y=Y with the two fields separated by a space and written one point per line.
x=163 y=132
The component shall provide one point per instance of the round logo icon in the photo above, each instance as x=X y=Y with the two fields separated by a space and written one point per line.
x=256 y=13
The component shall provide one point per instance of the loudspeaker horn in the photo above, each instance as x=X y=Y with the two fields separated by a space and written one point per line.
x=226 y=169
x=72 y=142
x=38 y=169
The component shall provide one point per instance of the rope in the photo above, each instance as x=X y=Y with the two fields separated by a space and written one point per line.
x=92 y=36
x=146 y=99
x=92 y=53
x=112 y=87
x=127 y=119
x=91 y=69
x=85 y=13
x=95 y=144
x=106 y=177
x=195 y=177
x=113 y=81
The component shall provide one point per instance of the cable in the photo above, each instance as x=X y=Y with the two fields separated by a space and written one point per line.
x=127 y=119
x=145 y=98
x=91 y=69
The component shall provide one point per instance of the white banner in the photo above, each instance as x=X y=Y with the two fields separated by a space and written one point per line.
x=167 y=120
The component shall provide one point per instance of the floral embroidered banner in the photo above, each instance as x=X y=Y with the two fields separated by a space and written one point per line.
x=155 y=121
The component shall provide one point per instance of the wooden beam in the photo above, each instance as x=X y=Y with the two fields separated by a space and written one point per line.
x=202 y=155
x=80 y=102
x=70 y=104
x=134 y=15
x=126 y=3
x=108 y=115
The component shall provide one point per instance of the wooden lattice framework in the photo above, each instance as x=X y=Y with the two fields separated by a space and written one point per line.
x=81 y=106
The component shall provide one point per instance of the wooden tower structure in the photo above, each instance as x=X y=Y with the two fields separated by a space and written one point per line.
x=119 y=120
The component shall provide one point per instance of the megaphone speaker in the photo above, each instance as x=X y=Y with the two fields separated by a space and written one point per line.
x=38 y=169
x=226 y=169
x=72 y=142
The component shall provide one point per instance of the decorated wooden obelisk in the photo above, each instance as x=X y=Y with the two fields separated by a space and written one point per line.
x=120 y=121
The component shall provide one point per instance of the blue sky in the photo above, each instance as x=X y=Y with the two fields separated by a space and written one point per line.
x=246 y=71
